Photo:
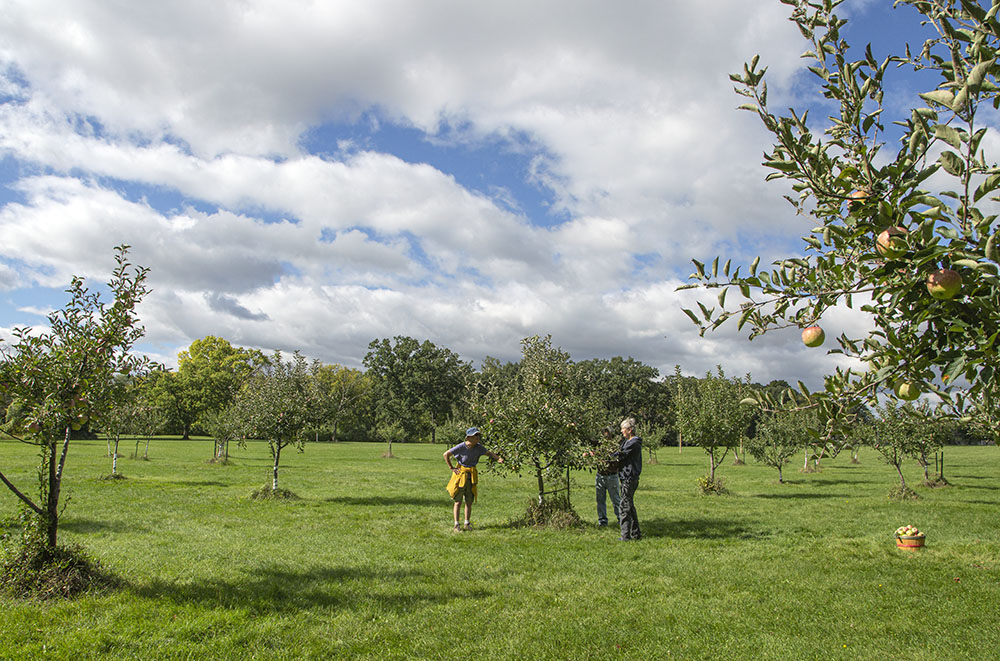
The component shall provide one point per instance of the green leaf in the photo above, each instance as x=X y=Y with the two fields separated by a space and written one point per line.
x=693 y=316
x=940 y=97
x=949 y=135
x=952 y=163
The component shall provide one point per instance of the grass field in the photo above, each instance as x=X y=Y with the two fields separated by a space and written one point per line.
x=365 y=565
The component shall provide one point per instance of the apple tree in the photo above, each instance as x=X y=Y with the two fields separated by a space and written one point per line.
x=901 y=209
x=712 y=413
x=278 y=404
x=779 y=435
x=897 y=433
x=57 y=379
x=534 y=418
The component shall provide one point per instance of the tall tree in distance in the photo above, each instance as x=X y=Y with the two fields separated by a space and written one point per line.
x=342 y=392
x=415 y=386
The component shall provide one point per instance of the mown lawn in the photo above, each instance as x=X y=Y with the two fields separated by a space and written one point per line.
x=365 y=565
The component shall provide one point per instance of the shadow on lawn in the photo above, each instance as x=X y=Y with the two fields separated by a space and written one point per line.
x=807 y=495
x=386 y=501
x=700 y=529
x=88 y=526
x=276 y=590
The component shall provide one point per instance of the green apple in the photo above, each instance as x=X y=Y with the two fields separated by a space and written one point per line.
x=906 y=390
x=944 y=283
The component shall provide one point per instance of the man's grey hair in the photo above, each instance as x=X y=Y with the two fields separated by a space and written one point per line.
x=628 y=423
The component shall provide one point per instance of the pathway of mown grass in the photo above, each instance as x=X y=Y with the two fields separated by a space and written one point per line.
x=365 y=564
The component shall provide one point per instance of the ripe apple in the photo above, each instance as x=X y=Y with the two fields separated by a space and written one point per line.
x=813 y=336
x=944 y=283
x=34 y=427
x=906 y=391
x=891 y=243
x=856 y=199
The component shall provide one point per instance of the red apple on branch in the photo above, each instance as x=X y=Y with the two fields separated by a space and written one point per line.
x=891 y=243
x=813 y=336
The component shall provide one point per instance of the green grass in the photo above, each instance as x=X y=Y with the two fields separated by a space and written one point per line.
x=365 y=565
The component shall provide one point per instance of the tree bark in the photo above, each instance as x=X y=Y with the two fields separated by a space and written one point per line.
x=274 y=475
x=541 y=482
x=902 y=480
x=114 y=459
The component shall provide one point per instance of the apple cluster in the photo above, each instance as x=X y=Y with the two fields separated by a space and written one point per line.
x=908 y=531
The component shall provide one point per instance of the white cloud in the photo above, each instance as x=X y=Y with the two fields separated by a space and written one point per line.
x=625 y=112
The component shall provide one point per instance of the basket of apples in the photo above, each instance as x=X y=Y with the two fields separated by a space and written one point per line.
x=908 y=537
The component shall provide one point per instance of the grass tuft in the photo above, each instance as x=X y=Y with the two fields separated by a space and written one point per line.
x=899 y=493
x=267 y=493
x=555 y=513
x=712 y=486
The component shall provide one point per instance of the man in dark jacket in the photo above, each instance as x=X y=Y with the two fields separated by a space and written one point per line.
x=629 y=467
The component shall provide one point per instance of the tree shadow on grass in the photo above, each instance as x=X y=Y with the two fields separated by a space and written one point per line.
x=700 y=529
x=191 y=483
x=807 y=495
x=974 y=486
x=387 y=501
x=89 y=526
x=279 y=590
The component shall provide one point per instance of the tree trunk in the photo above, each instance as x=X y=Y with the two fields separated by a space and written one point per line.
x=274 y=475
x=433 y=435
x=711 y=465
x=186 y=436
x=902 y=480
x=145 y=451
x=135 y=455
x=334 y=437
x=781 y=479
x=541 y=482
x=114 y=459
x=55 y=482
x=680 y=445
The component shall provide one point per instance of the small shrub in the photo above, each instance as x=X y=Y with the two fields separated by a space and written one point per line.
x=936 y=483
x=552 y=513
x=712 y=487
x=901 y=493
x=267 y=493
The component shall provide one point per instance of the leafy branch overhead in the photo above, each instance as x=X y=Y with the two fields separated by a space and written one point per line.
x=902 y=213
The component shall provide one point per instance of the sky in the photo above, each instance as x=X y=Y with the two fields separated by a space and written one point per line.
x=313 y=175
